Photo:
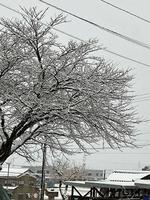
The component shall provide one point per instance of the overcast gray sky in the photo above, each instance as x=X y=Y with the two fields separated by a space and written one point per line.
x=118 y=21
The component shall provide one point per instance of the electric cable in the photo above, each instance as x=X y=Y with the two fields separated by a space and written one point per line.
x=127 y=58
x=144 y=94
x=142 y=97
x=129 y=39
x=126 y=11
x=81 y=40
x=3 y=5
x=146 y=99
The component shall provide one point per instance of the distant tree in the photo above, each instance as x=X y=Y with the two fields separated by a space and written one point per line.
x=66 y=171
x=64 y=95
x=146 y=168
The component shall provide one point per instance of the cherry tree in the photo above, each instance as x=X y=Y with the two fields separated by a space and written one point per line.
x=62 y=95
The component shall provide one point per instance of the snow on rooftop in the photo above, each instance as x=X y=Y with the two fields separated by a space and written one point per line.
x=13 y=172
x=10 y=187
x=118 y=179
x=109 y=184
x=143 y=184
x=127 y=176
x=75 y=183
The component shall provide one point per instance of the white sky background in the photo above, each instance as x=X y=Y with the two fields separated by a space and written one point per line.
x=120 y=22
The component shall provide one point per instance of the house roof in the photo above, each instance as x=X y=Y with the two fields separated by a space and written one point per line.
x=143 y=184
x=104 y=183
x=110 y=184
x=13 y=172
x=10 y=187
x=127 y=176
x=28 y=173
x=118 y=179
x=76 y=183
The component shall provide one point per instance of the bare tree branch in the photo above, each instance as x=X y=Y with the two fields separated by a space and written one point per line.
x=66 y=93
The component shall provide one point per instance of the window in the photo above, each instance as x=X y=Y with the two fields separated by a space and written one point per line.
x=21 y=182
x=31 y=183
x=101 y=174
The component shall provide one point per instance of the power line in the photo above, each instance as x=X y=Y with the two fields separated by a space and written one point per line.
x=126 y=11
x=81 y=40
x=144 y=94
x=145 y=133
x=127 y=58
x=146 y=120
x=129 y=39
x=3 y=5
x=127 y=153
x=141 y=100
x=105 y=149
x=142 y=97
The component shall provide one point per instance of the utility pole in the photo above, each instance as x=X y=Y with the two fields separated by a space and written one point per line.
x=43 y=173
x=104 y=174
x=8 y=174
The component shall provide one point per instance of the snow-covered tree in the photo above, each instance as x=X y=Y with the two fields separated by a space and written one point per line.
x=64 y=95
x=67 y=171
